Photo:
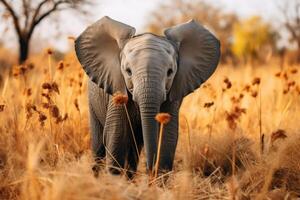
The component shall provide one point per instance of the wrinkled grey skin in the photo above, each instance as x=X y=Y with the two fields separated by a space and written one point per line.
x=155 y=72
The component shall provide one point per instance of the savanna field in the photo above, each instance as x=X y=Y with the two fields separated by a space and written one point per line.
x=239 y=136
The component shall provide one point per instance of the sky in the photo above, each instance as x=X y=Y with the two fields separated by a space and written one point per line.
x=132 y=12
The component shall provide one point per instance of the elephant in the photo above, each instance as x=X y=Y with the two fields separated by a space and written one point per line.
x=155 y=73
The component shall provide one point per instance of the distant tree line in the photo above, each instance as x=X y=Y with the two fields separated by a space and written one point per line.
x=243 y=40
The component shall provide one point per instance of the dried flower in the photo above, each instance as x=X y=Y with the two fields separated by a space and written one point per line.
x=30 y=65
x=51 y=87
x=120 y=99
x=49 y=51
x=54 y=87
x=279 y=134
x=285 y=76
x=15 y=71
x=2 y=107
x=247 y=88
x=285 y=91
x=291 y=83
x=208 y=104
x=278 y=74
x=163 y=118
x=233 y=116
x=256 y=81
x=46 y=105
x=42 y=118
x=254 y=94
x=29 y=108
x=76 y=104
x=294 y=71
x=46 y=86
x=228 y=83
x=54 y=111
x=60 y=65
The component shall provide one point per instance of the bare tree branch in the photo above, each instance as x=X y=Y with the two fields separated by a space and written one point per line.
x=14 y=16
x=44 y=15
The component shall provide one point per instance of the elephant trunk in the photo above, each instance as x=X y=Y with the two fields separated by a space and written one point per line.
x=149 y=98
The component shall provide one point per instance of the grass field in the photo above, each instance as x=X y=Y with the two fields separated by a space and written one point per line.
x=246 y=117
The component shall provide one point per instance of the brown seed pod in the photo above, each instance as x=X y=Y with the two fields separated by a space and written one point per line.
x=61 y=65
x=279 y=134
x=76 y=105
x=254 y=94
x=46 y=86
x=49 y=51
x=256 y=81
x=278 y=74
x=208 y=104
x=54 y=87
x=29 y=92
x=2 y=107
x=54 y=111
x=163 y=118
x=42 y=117
x=294 y=71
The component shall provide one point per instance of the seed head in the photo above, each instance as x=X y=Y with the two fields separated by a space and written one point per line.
x=2 y=107
x=247 y=88
x=163 y=118
x=228 y=83
x=120 y=99
x=42 y=117
x=294 y=71
x=256 y=81
x=46 y=86
x=208 y=104
x=285 y=76
x=54 y=111
x=60 y=65
x=76 y=104
x=49 y=51
x=278 y=74
x=279 y=134
x=54 y=87
x=254 y=94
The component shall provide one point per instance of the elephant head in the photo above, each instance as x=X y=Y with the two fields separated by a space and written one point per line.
x=154 y=69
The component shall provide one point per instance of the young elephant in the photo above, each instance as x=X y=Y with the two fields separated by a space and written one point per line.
x=155 y=72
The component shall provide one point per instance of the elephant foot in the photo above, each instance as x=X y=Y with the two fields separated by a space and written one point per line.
x=97 y=167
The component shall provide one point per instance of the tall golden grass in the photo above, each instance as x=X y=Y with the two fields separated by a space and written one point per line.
x=239 y=137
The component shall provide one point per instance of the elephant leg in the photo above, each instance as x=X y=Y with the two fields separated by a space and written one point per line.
x=170 y=136
x=97 y=141
x=115 y=133
x=134 y=152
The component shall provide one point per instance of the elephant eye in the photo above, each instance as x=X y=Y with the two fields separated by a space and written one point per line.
x=128 y=71
x=170 y=72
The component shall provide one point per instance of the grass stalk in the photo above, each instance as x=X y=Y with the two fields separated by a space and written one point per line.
x=158 y=150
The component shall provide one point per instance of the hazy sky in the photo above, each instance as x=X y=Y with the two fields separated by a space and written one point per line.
x=134 y=13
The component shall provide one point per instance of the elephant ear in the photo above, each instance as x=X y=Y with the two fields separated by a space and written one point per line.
x=199 y=53
x=98 y=50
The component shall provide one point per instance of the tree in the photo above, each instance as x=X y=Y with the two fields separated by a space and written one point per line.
x=252 y=39
x=290 y=10
x=27 y=14
x=180 y=11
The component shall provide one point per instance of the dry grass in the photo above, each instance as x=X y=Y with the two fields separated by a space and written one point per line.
x=249 y=115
